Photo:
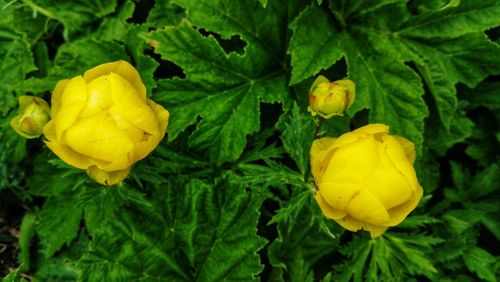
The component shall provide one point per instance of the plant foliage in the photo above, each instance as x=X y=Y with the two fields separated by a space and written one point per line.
x=227 y=195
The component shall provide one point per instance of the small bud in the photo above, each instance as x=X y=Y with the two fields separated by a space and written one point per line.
x=328 y=99
x=34 y=113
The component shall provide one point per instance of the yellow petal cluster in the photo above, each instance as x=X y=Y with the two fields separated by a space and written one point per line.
x=102 y=121
x=34 y=113
x=328 y=99
x=365 y=178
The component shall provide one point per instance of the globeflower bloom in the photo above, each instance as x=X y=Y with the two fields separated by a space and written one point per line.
x=34 y=113
x=328 y=99
x=365 y=178
x=102 y=121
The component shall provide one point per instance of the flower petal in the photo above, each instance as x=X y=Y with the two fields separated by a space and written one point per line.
x=127 y=102
x=397 y=155
x=373 y=128
x=15 y=124
x=121 y=68
x=68 y=155
x=99 y=96
x=353 y=162
x=320 y=157
x=25 y=101
x=350 y=223
x=387 y=182
x=143 y=148
x=408 y=147
x=327 y=210
x=375 y=230
x=354 y=225
x=162 y=116
x=99 y=138
x=49 y=131
x=134 y=133
x=389 y=186
x=56 y=97
x=74 y=99
x=398 y=213
x=337 y=194
x=107 y=178
x=319 y=80
x=366 y=207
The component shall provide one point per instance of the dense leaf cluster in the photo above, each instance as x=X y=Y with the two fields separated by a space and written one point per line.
x=227 y=196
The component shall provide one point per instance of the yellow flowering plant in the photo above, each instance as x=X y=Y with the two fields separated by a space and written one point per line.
x=231 y=194
x=328 y=99
x=365 y=178
x=103 y=122
x=34 y=113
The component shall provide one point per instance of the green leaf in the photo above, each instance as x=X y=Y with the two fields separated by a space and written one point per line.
x=416 y=221
x=492 y=222
x=485 y=182
x=184 y=235
x=74 y=14
x=304 y=237
x=99 y=205
x=59 y=222
x=484 y=95
x=391 y=90
x=384 y=83
x=25 y=236
x=388 y=257
x=263 y=29
x=468 y=17
x=427 y=169
x=298 y=131
x=260 y=149
x=456 y=225
x=313 y=49
x=483 y=143
x=131 y=36
x=358 y=250
x=164 y=13
x=49 y=180
x=21 y=20
x=442 y=64
x=74 y=58
x=223 y=89
x=61 y=267
x=444 y=54
x=480 y=262
x=440 y=139
x=14 y=276
x=12 y=152
x=335 y=127
x=272 y=174
x=16 y=61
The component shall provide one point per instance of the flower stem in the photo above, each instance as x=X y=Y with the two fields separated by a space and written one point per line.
x=318 y=129
x=38 y=9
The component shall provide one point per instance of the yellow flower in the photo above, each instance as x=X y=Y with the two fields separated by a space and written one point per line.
x=103 y=122
x=365 y=178
x=34 y=113
x=328 y=99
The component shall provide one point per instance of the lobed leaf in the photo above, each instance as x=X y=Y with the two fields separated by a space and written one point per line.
x=199 y=228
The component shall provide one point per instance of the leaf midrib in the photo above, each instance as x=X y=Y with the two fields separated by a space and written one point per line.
x=434 y=19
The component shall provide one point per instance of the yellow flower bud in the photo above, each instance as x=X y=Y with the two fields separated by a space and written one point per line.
x=365 y=178
x=102 y=121
x=34 y=113
x=328 y=99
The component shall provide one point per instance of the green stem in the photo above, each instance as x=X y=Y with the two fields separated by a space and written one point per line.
x=318 y=128
x=39 y=9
